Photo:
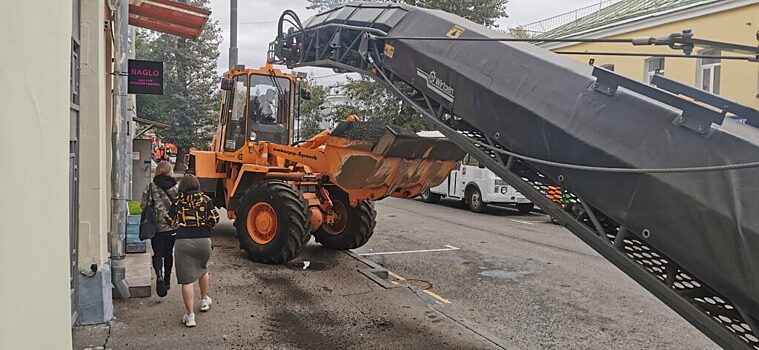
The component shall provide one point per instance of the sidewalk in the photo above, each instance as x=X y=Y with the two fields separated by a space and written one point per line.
x=330 y=305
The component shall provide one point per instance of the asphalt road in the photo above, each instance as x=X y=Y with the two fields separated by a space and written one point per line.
x=329 y=305
x=525 y=280
x=498 y=280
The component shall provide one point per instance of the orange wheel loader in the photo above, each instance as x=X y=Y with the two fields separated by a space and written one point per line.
x=280 y=191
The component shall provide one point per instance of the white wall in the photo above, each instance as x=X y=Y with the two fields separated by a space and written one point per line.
x=94 y=197
x=34 y=138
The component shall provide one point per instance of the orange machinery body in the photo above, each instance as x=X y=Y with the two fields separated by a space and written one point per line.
x=355 y=166
x=398 y=166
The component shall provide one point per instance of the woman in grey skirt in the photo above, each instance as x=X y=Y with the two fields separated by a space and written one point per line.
x=193 y=215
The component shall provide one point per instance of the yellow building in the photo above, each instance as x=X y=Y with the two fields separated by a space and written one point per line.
x=734 y=21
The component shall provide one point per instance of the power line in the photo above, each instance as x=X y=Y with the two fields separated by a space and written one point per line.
x=328 y=76
x=255 y=22
x=637 y=54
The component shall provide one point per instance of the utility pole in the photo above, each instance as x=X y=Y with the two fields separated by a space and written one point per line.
x=120 y=139
x=233 y=34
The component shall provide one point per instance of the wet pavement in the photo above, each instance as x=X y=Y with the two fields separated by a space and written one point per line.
x=522 y=278
x=444 y=278
x=319 y=301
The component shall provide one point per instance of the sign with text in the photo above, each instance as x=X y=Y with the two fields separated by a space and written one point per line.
x=145 y=77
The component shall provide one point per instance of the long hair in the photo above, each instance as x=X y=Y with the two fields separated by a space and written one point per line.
x=189 y=183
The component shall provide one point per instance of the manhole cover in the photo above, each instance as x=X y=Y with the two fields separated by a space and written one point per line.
x=308 y=265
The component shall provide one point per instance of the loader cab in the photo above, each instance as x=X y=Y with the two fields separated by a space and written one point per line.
x=257 y=106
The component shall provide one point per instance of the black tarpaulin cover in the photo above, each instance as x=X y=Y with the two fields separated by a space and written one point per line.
x=537 y=103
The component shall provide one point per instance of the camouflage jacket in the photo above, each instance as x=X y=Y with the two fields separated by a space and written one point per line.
x=193 y=209
x=161 y=202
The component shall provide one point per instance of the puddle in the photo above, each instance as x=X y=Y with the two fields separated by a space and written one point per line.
x=308 y=265
x=503 y=274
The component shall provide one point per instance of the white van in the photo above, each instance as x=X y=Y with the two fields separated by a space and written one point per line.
x=477 y=186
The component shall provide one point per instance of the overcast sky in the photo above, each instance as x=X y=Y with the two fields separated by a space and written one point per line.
x=257 y=24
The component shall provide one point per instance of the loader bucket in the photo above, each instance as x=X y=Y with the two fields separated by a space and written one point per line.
x=398 y=164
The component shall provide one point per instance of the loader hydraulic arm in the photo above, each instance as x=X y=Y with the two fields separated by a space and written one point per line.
x=660 y=186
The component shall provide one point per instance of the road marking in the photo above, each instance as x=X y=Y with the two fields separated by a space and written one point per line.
x=391 y=273
x=523 y=222
x=437 y=297
x=400 y=279
x=447 y=248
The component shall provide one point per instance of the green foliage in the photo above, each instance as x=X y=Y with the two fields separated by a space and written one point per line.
x=371 y=101
x=190 y=100
x=519 y=33
x=323 y=5
x=134 y=208
x=310 y=114
x=484 y=12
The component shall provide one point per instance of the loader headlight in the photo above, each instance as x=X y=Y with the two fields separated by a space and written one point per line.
x=252 y=136
x=504 y=189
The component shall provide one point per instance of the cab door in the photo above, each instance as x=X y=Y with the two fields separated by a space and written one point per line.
x=234 y=114
x=470 y=172
x=453 y=179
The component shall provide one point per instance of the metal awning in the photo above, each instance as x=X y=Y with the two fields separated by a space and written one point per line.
x=147 y=125
x=168 y=16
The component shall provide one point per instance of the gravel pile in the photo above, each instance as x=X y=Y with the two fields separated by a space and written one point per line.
x=370 y=131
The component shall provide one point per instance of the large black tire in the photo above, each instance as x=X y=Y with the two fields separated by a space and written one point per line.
x=293 y=222
x=352 y=233
x=429 y=197
x=525 y=208
x=474 y=200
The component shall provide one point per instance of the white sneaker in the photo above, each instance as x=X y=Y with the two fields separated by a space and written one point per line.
x=205 y=304
x=189 y=320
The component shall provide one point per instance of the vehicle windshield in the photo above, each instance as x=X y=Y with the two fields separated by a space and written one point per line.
x=269 y=107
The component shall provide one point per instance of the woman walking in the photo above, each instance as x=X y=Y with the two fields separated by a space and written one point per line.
x=161 y=194
x=193 y=215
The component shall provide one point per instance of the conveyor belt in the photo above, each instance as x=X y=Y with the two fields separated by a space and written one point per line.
x=690 y=238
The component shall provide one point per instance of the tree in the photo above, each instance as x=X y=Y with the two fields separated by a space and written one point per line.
x=324 y=5
x=372 y=101
x=190 y=100
x=310 y=112
x=519 y=32
x=484 y=12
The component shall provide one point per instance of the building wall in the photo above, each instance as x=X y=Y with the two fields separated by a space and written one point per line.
x=740 y=79
x=95 y=302
x=34 y=95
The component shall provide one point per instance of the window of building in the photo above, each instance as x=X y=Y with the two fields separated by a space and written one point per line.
x=709 y=71
x=654 y=65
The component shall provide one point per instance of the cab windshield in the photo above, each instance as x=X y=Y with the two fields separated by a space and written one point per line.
x=269 y=107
